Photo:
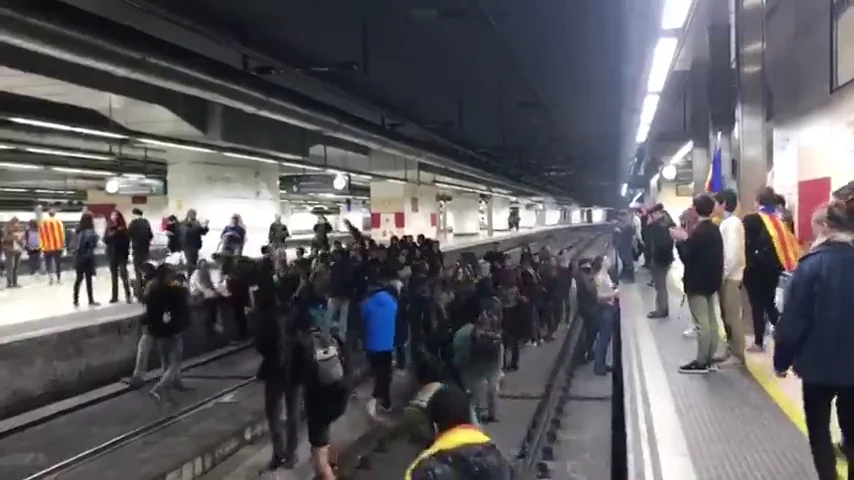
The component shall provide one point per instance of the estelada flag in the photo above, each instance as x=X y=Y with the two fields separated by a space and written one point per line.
x=785 y=244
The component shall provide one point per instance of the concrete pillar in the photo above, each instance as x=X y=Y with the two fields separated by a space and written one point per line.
x=752 y=130
x=699 y=123
x=218 y=188
x=500 y=213
x=466 y=215
x=490 y=220
x=403 y=209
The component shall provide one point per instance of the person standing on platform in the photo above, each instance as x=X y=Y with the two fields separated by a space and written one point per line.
x=13 y=247
x=141 y=236
x=117 y=240
x=623 y=241
x=660 y=252
x=815 y=334
x=702 y=254
x=191 y=233
x=84 y=258
x=33 y=247
x=770 y=249
x=732 y=232
x=52 y=240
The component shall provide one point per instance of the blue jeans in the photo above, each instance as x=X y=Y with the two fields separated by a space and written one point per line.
x=337 y=315
x=607 y=322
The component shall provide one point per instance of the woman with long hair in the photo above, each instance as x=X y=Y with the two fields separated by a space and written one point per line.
x=84 y=258
x=117 y=240
x=13 y=246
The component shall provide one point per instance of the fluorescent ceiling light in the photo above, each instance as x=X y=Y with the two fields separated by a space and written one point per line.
x=57 y=192
x=662 y=60
x=13 y=190
x=680 y=154
x=650 y=104
x=394 y=180
x=65 y=128
x=643 y=132
x=192 y=148
x=624 y=189
x=299 y=165
x=6 y=147
x=67 y=153
x=20 y=166
x=637 y=197
x=251 y=157
x=675 y=13
x=133 y=175
x=82 y=171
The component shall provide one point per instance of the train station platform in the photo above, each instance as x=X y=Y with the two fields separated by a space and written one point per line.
x=740 y=422
x=106 y=431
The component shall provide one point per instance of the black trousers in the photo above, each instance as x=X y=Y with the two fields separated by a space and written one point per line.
x=82 y=274
x=761 y=288
x=139 y=258
x=279 y=397
x=817 y=407
x=119 y=269
x=381 y=371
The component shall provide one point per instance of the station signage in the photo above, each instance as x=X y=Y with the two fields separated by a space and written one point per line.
x=319 y=183
x=135 y=186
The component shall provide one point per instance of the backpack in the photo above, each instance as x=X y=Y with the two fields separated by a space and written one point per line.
x=324 y=356
x=486 y=337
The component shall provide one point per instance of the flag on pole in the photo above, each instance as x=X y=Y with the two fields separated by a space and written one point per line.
x=715 y=179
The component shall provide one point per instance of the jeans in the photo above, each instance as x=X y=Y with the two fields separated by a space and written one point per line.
x=702 y=309
x=659 y=283
x=279 y=397
x=171 y=349
x=139 y=258
x=34 y=261
x=511 y=351
x=482 y=384
x=78 y=280
x=13 y=261
x=118 y=269
x=605 y=331
x=337 y=315
x=52 y=262
x=143 y=352
x=817 y=407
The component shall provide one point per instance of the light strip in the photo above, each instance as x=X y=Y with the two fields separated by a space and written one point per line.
x=133 y=175
x=650 y=105
x=65 y=128
x=394 y=180
x=251 y=157
x=680 y=154
x=643 y=132
x=299 y=165
x=159 y=143
x=662 y=60
x=20 y=166
x=56 y=192
x=13 y=190
x=6 y=147
x=67 y=153
x=675 y=14
x=83 y=171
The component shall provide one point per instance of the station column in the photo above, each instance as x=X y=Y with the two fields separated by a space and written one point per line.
x=401 y=208
x=500 y=213
x=466 y=215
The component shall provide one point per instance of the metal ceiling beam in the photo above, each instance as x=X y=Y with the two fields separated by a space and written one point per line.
x=88 y=40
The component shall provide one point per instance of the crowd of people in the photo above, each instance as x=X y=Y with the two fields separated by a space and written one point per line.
x=723 y=254
x=324 y=319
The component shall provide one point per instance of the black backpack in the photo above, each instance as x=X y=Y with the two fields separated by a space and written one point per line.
x=323 y=352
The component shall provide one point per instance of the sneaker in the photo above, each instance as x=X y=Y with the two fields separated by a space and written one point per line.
x=694 y=367
x=657 y=314
x=756 y=348
x=689 y=332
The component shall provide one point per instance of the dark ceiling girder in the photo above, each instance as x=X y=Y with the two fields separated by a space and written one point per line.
x=58 y=30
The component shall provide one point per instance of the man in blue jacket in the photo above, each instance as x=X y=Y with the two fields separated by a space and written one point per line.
x=379 y=314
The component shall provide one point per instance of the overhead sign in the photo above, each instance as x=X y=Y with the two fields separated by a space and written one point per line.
x=317 y=183
x=135 y=186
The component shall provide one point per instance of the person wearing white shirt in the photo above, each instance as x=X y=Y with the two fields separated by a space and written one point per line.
x=607 y=294
x=205 y=293
x=729 y=295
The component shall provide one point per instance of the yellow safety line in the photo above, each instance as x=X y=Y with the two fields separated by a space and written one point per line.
x=769 y=382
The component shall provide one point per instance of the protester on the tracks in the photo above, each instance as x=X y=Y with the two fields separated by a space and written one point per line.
x=729 y=295
x=770 y=249
x=190 y=234
x=340 y=290
x=607 y=296
x=84 y=258
x=141 y=236
x=588 y=307
x=702 y=254
x=659 y=246
x=205 y=294
x=117 y=239
x=167 y=315
x=815 y=333
x=379 y=316
x=460 y=450
x=478 y=354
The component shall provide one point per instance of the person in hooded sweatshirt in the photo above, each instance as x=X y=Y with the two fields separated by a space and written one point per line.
x=815 y=333
x=379 y=317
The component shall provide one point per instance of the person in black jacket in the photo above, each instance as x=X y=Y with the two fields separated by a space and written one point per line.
x=141 y=236
x=659 y=246
x=117 y=239
x=192 y=232
x=84 y=258
x=702 y=254
x=341 y=289
x=167 y=315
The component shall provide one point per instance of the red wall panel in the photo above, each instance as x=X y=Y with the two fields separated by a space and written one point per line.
x=811 y=194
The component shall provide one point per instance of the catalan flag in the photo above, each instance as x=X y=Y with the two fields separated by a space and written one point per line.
x=51 y=234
